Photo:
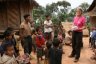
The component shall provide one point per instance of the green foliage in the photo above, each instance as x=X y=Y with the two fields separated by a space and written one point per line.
x=59 y=11
x=84 y=6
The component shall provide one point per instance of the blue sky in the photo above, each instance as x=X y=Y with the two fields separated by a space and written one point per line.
x=74 y=3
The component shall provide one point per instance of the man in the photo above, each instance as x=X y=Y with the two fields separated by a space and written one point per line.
x=48 y=25
x=25 y=33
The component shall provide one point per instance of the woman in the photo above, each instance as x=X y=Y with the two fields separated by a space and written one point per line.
x=77 y=35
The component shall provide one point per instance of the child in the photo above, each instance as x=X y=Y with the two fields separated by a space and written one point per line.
x=8 y=56
x=40 y=42
x=60 y=38
x=33 y=40
x=68 y=39
x=55 y=53
x=48 y=46
x=9 y=38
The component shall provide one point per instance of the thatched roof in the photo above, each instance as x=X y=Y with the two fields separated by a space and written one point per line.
x=32 y=2
x=92 y=9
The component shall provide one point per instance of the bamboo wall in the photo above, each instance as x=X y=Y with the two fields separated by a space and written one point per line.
x=11 y=13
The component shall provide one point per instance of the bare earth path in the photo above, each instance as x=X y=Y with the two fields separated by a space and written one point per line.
x=86 y=53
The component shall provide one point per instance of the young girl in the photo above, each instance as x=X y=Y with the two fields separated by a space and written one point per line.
x=40 y=42
x=60 y=38
x=8 y=56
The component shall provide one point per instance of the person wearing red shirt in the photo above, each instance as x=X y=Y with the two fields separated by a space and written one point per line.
x=40 y=42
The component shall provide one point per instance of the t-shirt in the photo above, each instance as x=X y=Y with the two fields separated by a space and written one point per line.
x=48 y=23
x=8 y=60
x=27 y=29
x=40 y=41
x=55 y=56
x=79 y=22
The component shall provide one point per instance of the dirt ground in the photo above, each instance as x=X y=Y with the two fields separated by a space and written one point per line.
x=86 y=53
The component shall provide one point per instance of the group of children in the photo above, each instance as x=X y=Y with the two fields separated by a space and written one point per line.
x=52 y=50
x=49 y=46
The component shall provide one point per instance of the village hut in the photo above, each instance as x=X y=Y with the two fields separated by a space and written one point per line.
x=12 y=11
x=91 y=12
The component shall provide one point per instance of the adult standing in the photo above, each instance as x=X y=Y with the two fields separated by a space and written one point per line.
x=48 y=28
x=77 y=35
x=25 y=33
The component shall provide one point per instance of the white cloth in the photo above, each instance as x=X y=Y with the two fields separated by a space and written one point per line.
x=5 y=59
x=74 y=28
x=48 y=23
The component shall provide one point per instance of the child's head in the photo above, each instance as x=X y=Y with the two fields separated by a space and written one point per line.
x=8 y=34
x=33 y=32
x=48 y=17
x=60 y=32
x=9 y=49
x=38 y=30
x=70 y=32
x=11 y=29
x=48 y=45
x=56 y=42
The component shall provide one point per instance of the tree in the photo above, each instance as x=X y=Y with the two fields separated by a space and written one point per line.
x=38 y=12
x=84 y=6
x=64 y=6
x=58 y=10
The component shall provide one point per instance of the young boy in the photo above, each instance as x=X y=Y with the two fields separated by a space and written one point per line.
x=8 y=56
x=68 y=39
x=48 y=46
x=33 y=39
x=55 y=53
x=48 y=28
x=40 y=42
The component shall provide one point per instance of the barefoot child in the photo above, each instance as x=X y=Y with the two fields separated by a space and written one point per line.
x=40 y=42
